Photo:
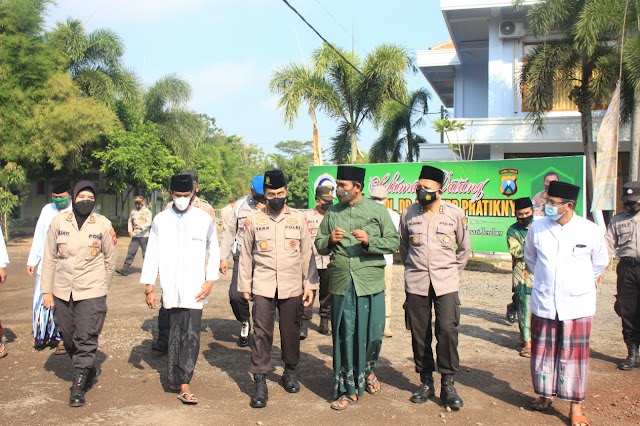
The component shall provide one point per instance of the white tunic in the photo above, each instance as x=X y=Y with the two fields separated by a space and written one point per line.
x=177 y=250
x=565 y=261
x=4 y=256
x=47 y=214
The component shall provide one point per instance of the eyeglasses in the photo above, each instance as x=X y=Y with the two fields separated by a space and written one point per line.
x=556 y=203
x=272 y=195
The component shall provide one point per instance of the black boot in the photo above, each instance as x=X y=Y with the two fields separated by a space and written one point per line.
x=304 y=329
x=261 y=394
x=78 y=387
x=448 y=394
x=425 y=391
x=289 y=381
x=324 y=327
x=632 y=360
x=91 y=377
x=124 y=270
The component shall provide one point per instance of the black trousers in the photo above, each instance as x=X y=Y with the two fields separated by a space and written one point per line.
x=184 y=344
x=136 y=242
x=324 y=297
x=164 y=325
x=447 y=314
x=80 y=322
x=239 y=304
x=627 y=304
x=264 y=318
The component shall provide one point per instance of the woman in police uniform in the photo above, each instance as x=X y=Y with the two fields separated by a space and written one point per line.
x=79 y=260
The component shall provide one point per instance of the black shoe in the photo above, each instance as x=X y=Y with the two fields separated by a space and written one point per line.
x=124 y=271
x=324 y=327
x=424 y=392
x=633 y=358
x=304 y=329
x=91 y=377
x=289 y=381
x=448 y=394
x=160 y=346
x=76 y=399
x=243 y=340
x=261 y=394
x=511 y=313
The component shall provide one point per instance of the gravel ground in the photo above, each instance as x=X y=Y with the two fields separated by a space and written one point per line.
x=493 y=380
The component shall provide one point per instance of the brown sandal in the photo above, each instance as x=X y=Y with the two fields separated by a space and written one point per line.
x=371 y=384
x=539 y=404
x=579 y=421
x=525 y=352
x=339 y=401
x=3 y=350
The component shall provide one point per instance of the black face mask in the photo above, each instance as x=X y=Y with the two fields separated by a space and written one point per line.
x=325 y=207
x=84 y=207
x=632 y=205
x=426 y=197
x=525 y=221
x=258 y=199
x=276 y=204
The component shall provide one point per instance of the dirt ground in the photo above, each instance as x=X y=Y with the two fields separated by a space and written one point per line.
x=493 y=380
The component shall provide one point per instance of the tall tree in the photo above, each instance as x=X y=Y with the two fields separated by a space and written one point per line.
x=398 y=124
x=589 y=72
x=165 y=105
x=95 y=62
x=345 y=94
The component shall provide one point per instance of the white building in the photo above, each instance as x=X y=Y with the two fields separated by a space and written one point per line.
x=476 y=76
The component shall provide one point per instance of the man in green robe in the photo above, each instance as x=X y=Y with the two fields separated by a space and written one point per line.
x=522 y=278
x=357 y=232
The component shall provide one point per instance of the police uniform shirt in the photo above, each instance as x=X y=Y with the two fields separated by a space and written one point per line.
x=276 y=255
x=139 y=222
x=313 y=220
x=232 y=235
x=434 y=250
x=622 y=236
x=79 y=262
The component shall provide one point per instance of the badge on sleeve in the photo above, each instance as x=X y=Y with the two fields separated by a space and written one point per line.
x=114 y=238
x=464 y=222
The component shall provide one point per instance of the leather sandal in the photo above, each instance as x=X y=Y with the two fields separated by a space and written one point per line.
x=579 y=421
x=339 y=401
x=187 y=398
x=539 y=404
x=3 y=350
x=371 y=384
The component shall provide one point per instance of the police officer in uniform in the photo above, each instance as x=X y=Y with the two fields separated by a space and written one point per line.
x=324 y=200
x=231 y=243
x=622 y=239
x=277 y=269
x=138 y=226
x=435 y=247
x=161 y=345
x=79 y=261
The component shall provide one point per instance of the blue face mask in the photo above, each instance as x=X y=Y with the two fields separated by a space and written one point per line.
x=552 y=212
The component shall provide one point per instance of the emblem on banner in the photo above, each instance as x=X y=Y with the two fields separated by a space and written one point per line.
x=508 y=185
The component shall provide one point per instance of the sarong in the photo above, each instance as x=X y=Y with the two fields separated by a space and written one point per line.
x=523 y=308
x=44 y=328
x=184 y=344
x=358 y=323
x=560 y=357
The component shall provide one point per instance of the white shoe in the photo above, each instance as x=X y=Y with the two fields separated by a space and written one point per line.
x=244 y=331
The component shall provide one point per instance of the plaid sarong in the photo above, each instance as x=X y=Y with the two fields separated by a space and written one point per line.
x=560 y=357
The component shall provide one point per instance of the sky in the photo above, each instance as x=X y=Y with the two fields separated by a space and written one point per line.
x=228 y=50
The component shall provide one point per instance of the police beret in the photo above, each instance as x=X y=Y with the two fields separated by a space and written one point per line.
x=351 y=173
x=563 y=190
x=631 y=191
x=523 y=203
x=432 y=173
x=181 y=183
x=274 y=179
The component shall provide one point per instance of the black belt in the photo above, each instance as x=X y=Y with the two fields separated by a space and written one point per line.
x=630 y=261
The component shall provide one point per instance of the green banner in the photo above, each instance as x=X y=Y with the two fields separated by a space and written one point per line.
x=485 y=190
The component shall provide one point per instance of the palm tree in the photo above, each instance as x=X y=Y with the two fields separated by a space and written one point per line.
x=589 y=72
x=343 y=93
x=399 y=121
x=95 y=62
x=165 y=105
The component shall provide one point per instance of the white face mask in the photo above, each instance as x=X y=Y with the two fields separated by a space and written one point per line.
x=181 y=203
x=379 y=202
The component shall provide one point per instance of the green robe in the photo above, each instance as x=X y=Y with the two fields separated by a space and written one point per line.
x=350 y=261
x=522 y=278
x=357 y=285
